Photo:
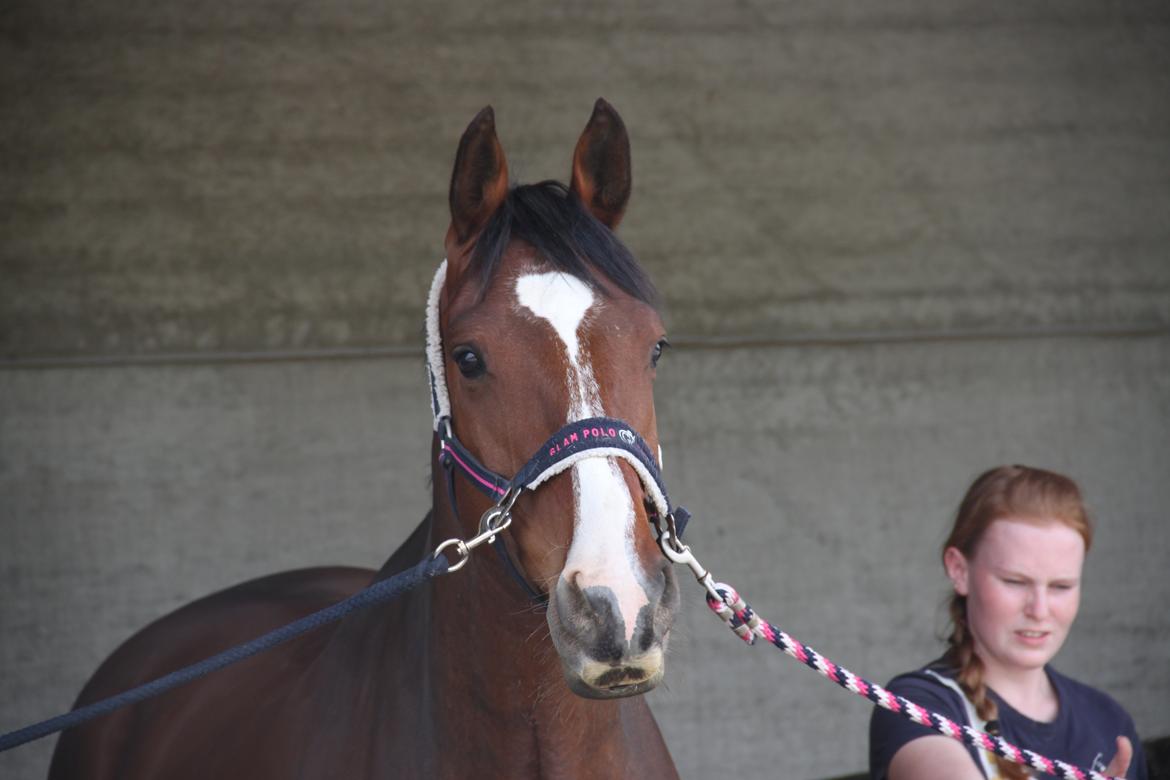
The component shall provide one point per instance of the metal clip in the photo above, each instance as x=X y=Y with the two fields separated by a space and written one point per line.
x=492 y=523
x=678 y=552
x=491 y=520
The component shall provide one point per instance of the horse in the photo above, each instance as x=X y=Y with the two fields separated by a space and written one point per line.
x=528 y=664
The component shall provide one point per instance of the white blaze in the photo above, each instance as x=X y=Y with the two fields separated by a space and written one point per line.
x=603 y=536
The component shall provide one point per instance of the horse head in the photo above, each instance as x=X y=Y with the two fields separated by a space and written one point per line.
x=545 y=319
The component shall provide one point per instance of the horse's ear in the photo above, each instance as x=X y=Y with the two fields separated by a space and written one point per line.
x=479 y=183
x=601 y=165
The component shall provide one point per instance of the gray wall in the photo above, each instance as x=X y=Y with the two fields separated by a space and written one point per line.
x=898 y=243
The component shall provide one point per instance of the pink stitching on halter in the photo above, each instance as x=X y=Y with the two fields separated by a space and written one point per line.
x=468 y=470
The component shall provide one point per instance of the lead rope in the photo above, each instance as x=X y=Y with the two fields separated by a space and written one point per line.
x=739 y=616
x=378 y=593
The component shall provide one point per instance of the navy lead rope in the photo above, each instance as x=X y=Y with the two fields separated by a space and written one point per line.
x=594 y=437
x=384 y=590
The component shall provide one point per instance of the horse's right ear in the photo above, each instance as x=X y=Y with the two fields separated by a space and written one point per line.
x=479 y=183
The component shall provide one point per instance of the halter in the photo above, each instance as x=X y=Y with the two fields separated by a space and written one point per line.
x=591 y=437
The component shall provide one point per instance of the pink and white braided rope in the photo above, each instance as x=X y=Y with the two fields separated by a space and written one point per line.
x=747 y=625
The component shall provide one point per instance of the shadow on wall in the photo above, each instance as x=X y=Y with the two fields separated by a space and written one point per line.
x=1157 y=757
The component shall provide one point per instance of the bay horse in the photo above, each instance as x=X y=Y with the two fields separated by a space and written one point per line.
x=542 y=318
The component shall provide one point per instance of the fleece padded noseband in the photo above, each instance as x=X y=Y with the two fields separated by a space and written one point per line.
x=593 y=437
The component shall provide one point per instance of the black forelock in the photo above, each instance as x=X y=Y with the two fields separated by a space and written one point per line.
x=551 y=219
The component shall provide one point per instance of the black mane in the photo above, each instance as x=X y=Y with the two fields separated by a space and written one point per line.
x=552 y=220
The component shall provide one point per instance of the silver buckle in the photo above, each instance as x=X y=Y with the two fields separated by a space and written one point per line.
x=491 y=524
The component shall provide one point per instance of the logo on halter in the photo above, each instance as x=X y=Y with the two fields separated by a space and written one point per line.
x=587 y=432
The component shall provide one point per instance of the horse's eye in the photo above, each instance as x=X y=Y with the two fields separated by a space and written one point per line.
x=662 y=344
x=470 y=364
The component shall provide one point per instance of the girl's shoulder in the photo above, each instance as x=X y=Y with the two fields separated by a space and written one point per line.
x=933 y=675
x=928 y=672
x=932 y=686
x=1077 y=697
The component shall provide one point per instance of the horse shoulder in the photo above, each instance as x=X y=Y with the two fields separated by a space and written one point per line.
x=119 y=744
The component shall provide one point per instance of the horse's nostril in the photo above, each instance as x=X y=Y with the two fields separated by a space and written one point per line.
x=646 y=635
x=591 y=615
x=571 y=593
x=594 y=601
x=598 y=601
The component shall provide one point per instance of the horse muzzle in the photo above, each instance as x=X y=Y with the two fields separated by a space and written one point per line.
x=602 y=656
x=629 y=677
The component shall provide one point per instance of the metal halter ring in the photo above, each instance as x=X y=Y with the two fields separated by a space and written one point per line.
x=492 y=523
x=677 y=552
x=499 y=516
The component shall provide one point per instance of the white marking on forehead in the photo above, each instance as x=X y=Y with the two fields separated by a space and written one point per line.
x=563 y=301
x=603 y=537
x=560 y=299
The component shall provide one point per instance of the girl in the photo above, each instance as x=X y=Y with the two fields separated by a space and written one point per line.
x=1014 y=558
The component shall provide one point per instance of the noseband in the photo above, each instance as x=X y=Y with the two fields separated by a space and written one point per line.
x=591 y=437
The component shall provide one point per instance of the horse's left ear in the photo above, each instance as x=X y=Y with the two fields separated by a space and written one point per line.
x=601 y=165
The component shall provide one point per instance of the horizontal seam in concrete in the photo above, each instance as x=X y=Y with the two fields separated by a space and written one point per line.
x=706 y=343
x=214 y=357
x=859 y=338
x=477 y=29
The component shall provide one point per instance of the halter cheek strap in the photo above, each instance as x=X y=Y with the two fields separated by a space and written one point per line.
x=440 y=402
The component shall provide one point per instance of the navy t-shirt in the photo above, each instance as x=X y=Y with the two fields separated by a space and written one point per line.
x=1083 y=734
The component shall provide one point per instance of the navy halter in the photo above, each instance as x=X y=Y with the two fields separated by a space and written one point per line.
x=592 y=437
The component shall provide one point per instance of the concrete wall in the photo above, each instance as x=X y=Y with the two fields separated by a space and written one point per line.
x=897 y=242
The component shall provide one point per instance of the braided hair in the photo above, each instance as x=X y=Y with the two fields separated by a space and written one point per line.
x=1004 y=491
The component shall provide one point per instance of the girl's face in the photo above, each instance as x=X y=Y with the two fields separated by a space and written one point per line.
x=1023 y=588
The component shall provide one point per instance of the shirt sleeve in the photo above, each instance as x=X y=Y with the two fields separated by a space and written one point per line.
x=889 y=731
x=1100 y=719
x=1113 y=721
x=1138 y=769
